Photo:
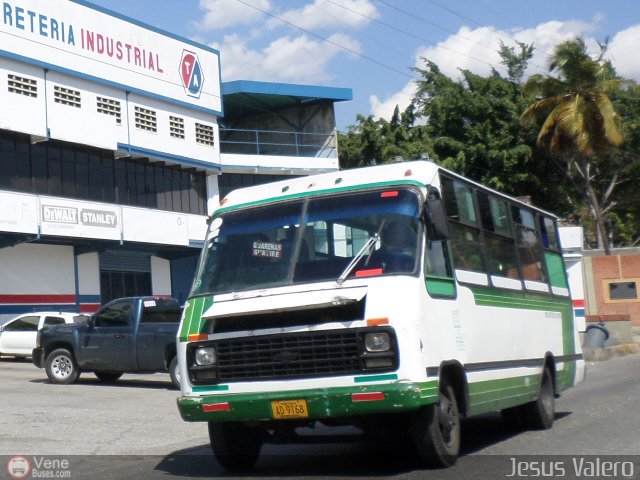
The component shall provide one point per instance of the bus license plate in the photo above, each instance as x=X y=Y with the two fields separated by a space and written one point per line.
x=283 y=409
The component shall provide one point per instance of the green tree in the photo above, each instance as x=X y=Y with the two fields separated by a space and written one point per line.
x=475 y=125
x=579 y=123
x=372 y=141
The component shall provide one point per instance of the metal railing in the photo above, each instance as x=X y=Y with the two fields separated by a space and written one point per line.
x=271 y=142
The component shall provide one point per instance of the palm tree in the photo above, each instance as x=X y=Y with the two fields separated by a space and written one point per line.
x=579 y=122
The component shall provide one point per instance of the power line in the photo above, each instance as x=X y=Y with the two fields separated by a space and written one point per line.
x=435 y=25
x=370 y=37
x=464 y=17
x=331 y=42
x=409 y=34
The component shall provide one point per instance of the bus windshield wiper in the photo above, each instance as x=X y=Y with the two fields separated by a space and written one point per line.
x=365 y=248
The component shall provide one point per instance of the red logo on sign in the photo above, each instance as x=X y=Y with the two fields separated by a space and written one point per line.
x=191 y=73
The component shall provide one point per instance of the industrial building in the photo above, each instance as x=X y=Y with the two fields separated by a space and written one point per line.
x=117 y=140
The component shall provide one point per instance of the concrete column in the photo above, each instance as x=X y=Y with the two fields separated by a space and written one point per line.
x=213 y=193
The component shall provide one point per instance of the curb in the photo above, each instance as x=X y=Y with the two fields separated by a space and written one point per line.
x=606 y=353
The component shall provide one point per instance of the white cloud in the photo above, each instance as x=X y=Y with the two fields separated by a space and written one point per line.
x=623 y=53
x=225 y=13
x=477 y=50
x=385 y=108
x=323 y=13
x=286 y=59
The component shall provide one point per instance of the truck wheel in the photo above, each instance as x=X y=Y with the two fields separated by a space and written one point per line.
x=61 y=367
x=174 y=372
x=108 y=377
x=435 y=430
x=235 y=446
x=541 y=413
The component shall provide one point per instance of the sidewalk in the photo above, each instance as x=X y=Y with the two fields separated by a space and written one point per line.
x=599 y=354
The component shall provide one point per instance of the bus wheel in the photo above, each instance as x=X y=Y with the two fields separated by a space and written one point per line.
x=436 y=430
x=540 y=413
x=235 y=446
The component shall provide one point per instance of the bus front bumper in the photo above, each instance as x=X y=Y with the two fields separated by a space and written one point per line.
x=320 y=403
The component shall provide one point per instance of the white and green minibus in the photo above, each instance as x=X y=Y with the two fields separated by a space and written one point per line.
x=398 y=298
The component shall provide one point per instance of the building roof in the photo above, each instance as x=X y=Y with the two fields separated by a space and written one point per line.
x=243 y=98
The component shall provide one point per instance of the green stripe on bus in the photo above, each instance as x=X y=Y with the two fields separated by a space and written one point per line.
x=193 y=316
x=293 y=196
x=492 y=395
x=211 y=388
x=375 y=378
x=533 y=301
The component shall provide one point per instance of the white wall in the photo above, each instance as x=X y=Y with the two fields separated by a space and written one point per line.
x=160 y=276
x=22 y=113
x=37 y=269
x=88 y=274
x=85 y=124
x=162 y=141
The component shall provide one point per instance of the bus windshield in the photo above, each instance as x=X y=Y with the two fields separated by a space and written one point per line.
x=311 y=240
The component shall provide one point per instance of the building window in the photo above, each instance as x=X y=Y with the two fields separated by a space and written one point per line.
x=66 y=96
x=146 y=119
x=204 y=134
x=85 y=173
x=623 y=290
x=22 y=85
x=123 y=284
x=111 y=107
x=176 y=127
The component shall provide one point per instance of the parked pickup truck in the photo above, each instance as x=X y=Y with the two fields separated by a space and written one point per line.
x=135 y=334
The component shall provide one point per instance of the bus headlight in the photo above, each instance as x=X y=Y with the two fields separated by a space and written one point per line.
x=377 y=342
x=205 y=356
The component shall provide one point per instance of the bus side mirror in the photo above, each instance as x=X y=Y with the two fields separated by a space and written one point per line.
x=436 y=220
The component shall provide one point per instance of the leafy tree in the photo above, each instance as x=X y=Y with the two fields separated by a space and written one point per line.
x=476 y=129
x=623 y=216
x=579 y=123
x=516 y=63
x=372 y=141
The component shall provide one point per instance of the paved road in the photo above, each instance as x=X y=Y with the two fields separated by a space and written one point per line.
x=132 y=430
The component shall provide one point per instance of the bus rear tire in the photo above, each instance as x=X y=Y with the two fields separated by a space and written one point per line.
x=540 y=414
x=235 y=445
x=436 y=431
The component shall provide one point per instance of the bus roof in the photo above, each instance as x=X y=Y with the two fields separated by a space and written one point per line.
x=418 y=172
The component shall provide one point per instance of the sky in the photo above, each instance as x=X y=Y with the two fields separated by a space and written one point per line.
x=372 y=46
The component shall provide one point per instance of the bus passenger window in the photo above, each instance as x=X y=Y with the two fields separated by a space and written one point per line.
x=529 y=245
x=438 y=259
x=466 y=248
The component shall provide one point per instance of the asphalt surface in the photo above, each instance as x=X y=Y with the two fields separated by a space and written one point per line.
x=133 y=430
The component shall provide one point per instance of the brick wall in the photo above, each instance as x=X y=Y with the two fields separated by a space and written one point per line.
x=621 y=270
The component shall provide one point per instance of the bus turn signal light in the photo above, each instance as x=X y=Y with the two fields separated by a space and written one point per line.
x=375 y=322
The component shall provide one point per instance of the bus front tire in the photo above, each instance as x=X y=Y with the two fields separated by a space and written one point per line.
x=436 y=430
x=235 y=446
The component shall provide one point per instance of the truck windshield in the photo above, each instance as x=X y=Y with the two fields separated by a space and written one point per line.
x=311 y=240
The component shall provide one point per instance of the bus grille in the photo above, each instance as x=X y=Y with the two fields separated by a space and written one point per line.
x=291 y=355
